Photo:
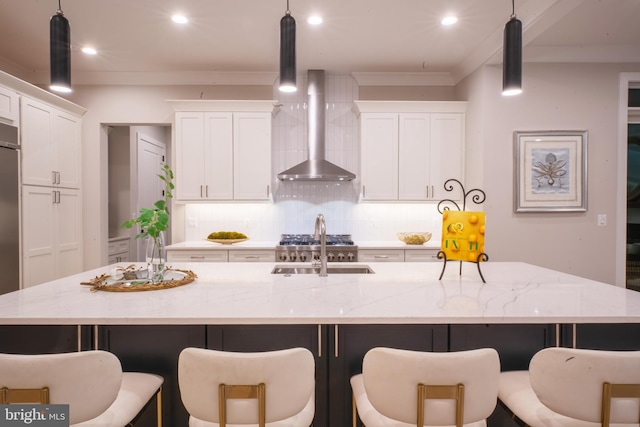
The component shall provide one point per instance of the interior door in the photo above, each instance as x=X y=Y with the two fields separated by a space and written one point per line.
x=151 y=157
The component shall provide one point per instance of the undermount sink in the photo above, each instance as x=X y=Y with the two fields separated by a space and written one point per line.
x=307 y=269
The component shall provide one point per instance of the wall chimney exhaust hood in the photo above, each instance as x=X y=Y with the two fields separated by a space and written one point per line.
x=316 y=168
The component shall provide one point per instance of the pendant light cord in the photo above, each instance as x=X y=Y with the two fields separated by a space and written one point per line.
x=60 y=7
x=288 y=12
x=513 y=8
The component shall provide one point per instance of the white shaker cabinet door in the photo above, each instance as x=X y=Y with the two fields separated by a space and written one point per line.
x=38 y=164
x=190 y=161
x=218 y=155
x=251 y=156
x=52 y=233
x=67 y=132
x=69 y=237
x=447 y=143
x=379 y=154
x=204 y=156
x=414 y=163
x=50 y=145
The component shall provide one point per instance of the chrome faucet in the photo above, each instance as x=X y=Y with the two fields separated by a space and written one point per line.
x=321 y=233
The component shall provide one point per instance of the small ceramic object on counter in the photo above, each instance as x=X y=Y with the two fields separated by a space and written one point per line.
x=414 y=237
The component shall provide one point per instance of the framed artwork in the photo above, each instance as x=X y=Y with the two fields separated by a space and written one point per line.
x=550 y=171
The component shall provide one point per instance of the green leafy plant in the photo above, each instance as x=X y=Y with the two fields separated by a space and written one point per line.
x=155 y=220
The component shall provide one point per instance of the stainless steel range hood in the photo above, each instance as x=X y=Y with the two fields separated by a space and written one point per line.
x=316 y=168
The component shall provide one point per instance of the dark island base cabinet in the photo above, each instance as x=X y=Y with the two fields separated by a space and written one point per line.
x=619 y=337
x=154 y=349
x=251 y=338
x=349 y=343
x=36 y=339
x=516 y=344
x=338 y=351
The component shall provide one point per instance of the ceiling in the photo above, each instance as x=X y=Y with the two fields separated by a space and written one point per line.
x=383 y=42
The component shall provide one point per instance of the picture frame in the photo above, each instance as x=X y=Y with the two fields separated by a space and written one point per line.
x=550 y=171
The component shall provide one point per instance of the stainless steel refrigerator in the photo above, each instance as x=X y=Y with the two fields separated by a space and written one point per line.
x=9 y=209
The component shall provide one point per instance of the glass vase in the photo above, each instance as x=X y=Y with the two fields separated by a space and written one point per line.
x=156 y=258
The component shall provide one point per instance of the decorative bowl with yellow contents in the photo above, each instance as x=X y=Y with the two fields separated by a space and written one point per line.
x=414 y=237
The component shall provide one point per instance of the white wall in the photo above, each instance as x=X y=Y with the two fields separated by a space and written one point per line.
x=555 y=97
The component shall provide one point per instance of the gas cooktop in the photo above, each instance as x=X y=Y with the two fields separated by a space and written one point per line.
x=309 y=240
x=304 y=247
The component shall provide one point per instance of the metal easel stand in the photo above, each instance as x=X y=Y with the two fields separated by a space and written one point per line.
x=478 y=197
x=482 y=257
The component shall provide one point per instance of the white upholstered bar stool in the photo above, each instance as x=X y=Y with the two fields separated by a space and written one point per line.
x=566 y=387
x=92 y=383
x=403 y=388
x=274 y=388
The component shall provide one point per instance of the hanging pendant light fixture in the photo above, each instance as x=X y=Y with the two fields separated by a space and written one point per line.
x=60 y=50
x=287 y=52
x=512 y=56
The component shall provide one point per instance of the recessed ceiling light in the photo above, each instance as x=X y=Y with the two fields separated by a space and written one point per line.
x=89 y=50
x=180 y=19
x=449 y=20
x=314 y=20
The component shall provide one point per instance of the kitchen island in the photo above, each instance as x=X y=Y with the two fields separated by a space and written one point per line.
x=397 y=293
x=243 y=307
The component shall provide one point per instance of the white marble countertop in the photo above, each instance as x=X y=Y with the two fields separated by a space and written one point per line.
x=398 y=293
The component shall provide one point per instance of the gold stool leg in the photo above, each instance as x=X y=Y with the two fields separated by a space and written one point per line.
x=159 y=406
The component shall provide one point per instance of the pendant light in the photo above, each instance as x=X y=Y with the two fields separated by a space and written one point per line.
x=512 y=56
x=60 y=50
x=287 y=52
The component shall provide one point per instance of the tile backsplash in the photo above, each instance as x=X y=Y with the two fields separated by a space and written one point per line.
x=296 y=204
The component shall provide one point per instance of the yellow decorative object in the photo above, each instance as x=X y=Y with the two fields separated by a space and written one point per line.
x=463 y=235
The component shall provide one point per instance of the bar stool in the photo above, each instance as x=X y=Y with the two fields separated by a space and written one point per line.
x=574 y=387
x=412 y=388
x=90 y=382
x=261 y=389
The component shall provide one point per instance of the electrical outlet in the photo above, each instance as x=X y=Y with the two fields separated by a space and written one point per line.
x=602 y=220
x=192 y=222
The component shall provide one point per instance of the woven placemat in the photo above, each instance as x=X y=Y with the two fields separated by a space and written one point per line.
x=173 y=278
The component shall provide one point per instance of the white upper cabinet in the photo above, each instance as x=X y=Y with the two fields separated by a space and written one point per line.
x=204 y=156
x=409 y=149
x=379 y=136
x=447 y=149
x=9 y=110
x=51 y=145
x=223 y=150
x=252 y=156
